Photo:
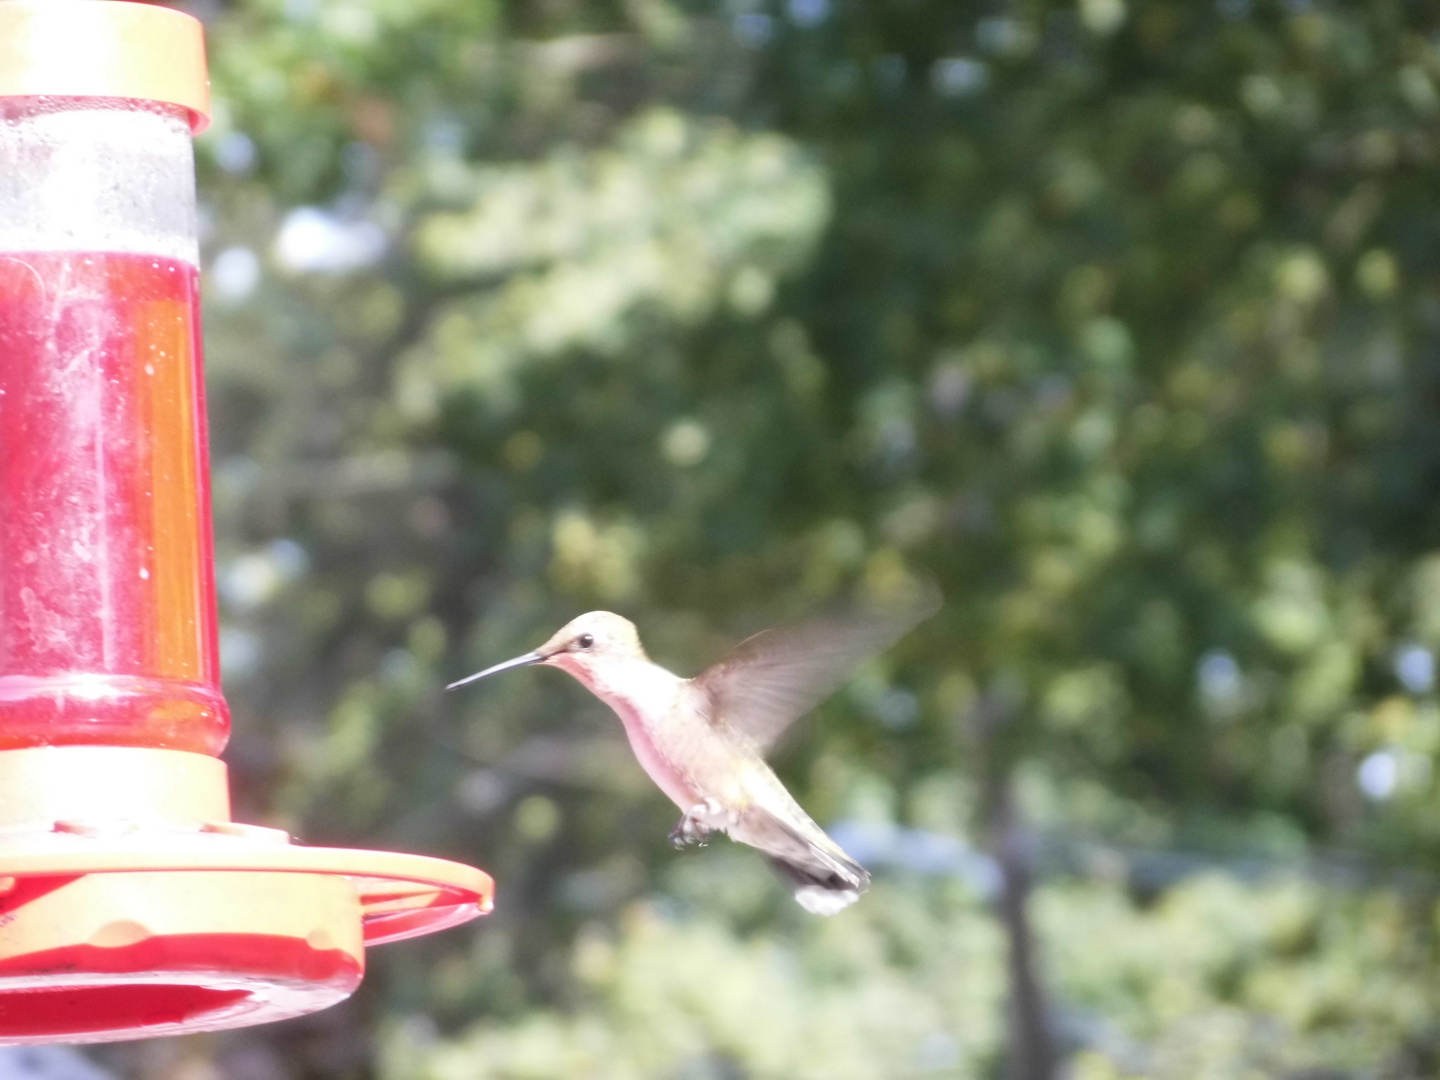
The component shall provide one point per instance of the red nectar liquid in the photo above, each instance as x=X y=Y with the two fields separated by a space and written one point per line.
x=107 y=615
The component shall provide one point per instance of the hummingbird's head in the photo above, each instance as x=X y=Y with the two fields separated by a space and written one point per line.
x=584 y=647
x=592 y=641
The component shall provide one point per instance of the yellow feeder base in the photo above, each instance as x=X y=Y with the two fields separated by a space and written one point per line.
x=132 y=907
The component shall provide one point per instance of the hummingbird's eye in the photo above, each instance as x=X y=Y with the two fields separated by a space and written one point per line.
x=585 y=641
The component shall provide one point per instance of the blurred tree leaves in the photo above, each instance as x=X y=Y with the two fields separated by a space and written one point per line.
x=674 y=221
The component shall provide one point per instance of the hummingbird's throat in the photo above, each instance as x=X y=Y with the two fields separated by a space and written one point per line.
x=641 y=693
x=613 y=680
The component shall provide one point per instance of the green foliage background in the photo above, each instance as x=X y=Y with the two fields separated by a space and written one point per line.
x=1121 y=319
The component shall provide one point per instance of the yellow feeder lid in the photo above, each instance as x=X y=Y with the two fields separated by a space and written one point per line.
x=83 y=48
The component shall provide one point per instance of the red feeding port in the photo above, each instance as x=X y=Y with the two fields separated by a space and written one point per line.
x=130 y=904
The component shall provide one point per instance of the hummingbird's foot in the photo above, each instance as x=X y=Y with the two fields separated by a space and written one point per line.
x=693 y=828
x=687 y=832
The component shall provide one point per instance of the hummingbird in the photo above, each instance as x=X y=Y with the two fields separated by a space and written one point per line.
x=703 y=740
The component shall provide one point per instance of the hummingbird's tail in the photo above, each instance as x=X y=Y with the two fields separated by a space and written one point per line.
x=823 y=878
x=825 y=885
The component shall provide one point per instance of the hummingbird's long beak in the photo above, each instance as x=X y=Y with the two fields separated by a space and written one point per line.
x=519 y=661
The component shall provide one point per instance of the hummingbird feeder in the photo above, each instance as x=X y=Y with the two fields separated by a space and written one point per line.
x=130 y=904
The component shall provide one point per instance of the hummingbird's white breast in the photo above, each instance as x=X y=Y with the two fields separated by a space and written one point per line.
x=647 y=698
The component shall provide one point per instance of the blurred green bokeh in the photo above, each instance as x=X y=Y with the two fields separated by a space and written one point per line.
x=1121 y=319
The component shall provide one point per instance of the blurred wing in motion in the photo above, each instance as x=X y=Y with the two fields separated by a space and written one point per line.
x=777 y=676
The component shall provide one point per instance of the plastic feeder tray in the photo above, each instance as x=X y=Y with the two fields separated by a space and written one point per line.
x=130 y=904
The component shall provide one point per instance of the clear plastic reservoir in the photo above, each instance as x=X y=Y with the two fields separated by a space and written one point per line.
x=107 y=620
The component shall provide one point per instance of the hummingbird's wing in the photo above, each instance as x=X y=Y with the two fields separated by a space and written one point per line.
x=777 y=676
